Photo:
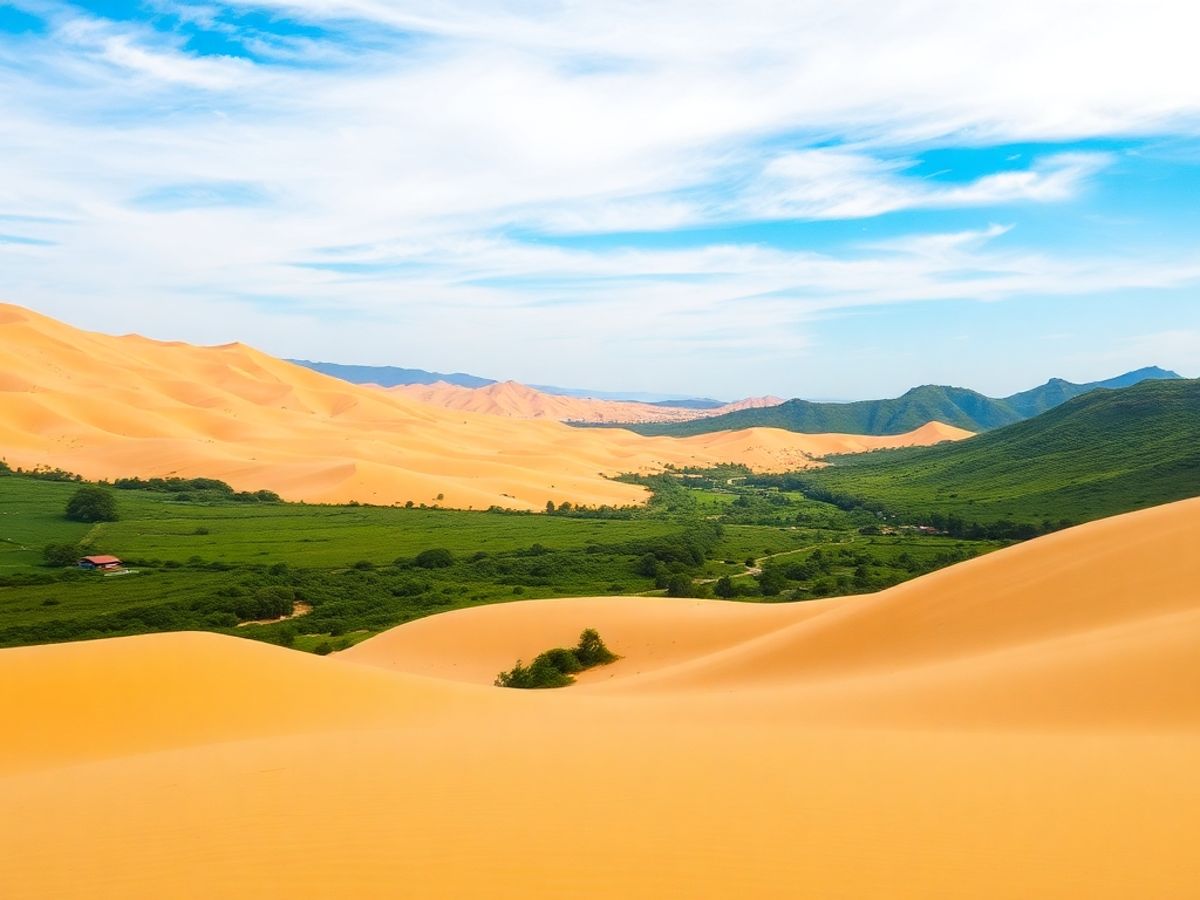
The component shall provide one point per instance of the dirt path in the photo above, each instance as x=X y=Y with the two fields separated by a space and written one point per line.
x=756 y=569
x=299 y=608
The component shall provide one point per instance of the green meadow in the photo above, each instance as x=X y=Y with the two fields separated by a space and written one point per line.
x=198 y=560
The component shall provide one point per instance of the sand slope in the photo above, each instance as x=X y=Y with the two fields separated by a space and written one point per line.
x=519 y=401
x=109 y=407
x=1022 y=725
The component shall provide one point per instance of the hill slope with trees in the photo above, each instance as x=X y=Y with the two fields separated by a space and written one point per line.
x=956 y=406
x=1100 y=454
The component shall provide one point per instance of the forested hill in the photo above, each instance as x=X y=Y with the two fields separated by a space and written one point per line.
x=953 y=405
x=1101 y=454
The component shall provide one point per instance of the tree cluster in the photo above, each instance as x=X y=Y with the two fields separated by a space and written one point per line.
x=555 y=667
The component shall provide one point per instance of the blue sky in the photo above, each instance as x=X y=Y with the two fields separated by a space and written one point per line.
x=791 y=198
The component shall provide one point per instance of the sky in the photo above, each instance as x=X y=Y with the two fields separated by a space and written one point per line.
x=825 y=200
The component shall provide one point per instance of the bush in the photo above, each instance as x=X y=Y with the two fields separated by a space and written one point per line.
x=323 y=649
x=679 y=585
x=436 y=558
x=771 y=581
x=59 y=555
x=724 y=588
x=554 y=668
x=92 y=504
x=591 y=651
x=271 y=602
x=541 y=674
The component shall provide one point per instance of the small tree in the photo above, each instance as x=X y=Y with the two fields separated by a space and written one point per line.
x=724 y=588
x=771 y=581
x=554 y=668
x=591 y=650
x=549 y=507
x=58 y=555
x=92 y=504
x=648 y=565
x=679 y=585
x=435 y=558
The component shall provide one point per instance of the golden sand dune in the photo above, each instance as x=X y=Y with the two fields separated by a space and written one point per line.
x=110 y=407
x=519 y=401
x=1022 y=725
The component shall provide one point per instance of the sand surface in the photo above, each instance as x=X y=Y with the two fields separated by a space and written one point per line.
x=111 y=407
x=1023 y=725
x=519 y=401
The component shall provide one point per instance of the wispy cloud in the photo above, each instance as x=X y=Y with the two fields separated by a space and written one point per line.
x=832 y=184
x=206 y=153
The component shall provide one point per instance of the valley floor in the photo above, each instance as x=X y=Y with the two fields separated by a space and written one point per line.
x=1024 y=724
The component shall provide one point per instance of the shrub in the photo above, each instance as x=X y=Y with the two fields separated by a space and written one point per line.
x=554 y=668
x=724 y=588
x=323 y=649
x=679 y=585
x=591 y=651
x=562 y=659
x=436 y=558
x=92 y=504
x=771 y=581
x=271 y=602
x=59 y=555
x=539 y=675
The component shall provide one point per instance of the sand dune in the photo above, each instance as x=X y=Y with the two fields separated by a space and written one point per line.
x=1022 y=725
x=519 y=401
x=109 y=407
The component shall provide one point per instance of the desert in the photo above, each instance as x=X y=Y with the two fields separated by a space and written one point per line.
x=111 y=407
x=545 y=450
x=733 y=747
x=520 y=401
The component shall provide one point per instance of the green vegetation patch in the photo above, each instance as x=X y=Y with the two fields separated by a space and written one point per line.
x=319 y=578
x=557 y=668
x=1105 y=453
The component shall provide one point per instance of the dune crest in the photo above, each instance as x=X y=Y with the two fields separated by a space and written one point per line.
x=519 y=401
x=109 y=407
x=1021 y=725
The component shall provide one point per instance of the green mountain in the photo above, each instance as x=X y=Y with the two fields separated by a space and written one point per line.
x=1099 y=454
x=1056 y=391
x=955 y=406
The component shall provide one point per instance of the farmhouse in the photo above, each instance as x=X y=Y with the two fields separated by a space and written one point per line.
x=99 y=562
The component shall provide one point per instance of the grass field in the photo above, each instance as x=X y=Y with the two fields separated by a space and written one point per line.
x=210 y=563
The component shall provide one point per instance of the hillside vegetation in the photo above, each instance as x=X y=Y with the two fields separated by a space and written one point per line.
x=205 y=558
x=956 y=406
x=1097 y=455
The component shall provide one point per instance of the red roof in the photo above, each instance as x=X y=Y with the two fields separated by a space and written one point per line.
x=101 y=560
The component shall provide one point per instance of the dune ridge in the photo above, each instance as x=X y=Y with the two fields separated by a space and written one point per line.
x=1025 y=724
x=519 y=401
x=109 y=407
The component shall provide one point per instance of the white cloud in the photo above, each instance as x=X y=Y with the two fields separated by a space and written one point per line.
x=574 y=118
x=835 y=184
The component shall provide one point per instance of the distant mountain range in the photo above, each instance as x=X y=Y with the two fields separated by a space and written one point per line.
x=956 y=406
x=520 y=401
x=394 y=376
x=1097 y=455
x=391 y=376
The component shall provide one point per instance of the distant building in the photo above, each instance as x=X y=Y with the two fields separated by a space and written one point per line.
x=99 y=562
